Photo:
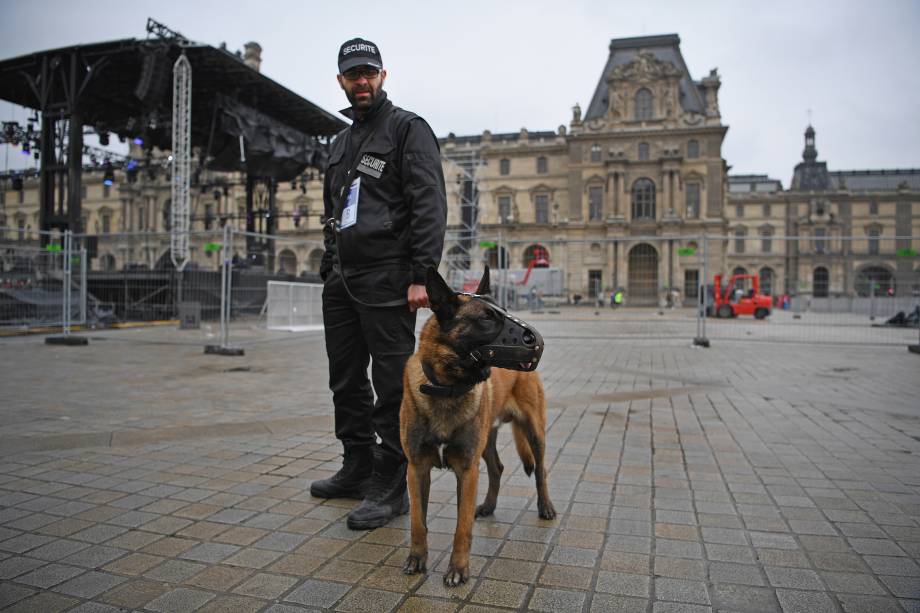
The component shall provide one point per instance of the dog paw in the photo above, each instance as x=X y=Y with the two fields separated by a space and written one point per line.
x=456 y=575
x=485 y=510
x=414 y=565
x=546 y=509
x=528 y=468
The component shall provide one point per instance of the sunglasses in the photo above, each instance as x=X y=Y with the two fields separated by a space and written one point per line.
x=364 y=71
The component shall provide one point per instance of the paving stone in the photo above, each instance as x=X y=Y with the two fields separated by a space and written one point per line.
x=556 y=601
x=623 y=584
x=174 y=571
x=180 y=600
x=57 y=550
x=609 y=603
x=902 y=587
x=680 y=568
x=320 y=594
x=734 y=597
x=266 y=586
x=499 y=593
x=94 y=556
x=209 y=552
x=49 y=575
x=878 y=547
x=233 y=604
x=10 y=593
x=89 y=585
x=18 y=565
x=793 y=601
x=854 y=603
x=890 y=565
x=724 y=572
x=796 y=578
x=681 y=590
x=43 y=602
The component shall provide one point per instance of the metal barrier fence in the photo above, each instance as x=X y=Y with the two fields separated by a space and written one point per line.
x=833 y=290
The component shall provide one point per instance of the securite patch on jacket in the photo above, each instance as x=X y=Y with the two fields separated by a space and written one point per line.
x=371 y=166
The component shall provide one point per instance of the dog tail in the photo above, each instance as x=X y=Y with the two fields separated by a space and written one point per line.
x=523 y=448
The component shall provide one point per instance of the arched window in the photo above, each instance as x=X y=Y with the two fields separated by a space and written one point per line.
x=643 y=104
x=595 y=202
x=874 y=281
x=693 y=149
x=537 y=254
x=287 y=262
x=820 y=283
x=643 y=152
x=316 y=260
x=739 y=270
x=504 y=166
x=767 y=277
x=595 y=153
x=643 y=199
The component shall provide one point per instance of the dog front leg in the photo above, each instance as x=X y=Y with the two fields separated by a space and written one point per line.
x=419 y=483
x=459 y=570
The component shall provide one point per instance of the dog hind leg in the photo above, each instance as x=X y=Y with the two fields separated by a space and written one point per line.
x=536 y=437
x=495 y=468
x=523 y=448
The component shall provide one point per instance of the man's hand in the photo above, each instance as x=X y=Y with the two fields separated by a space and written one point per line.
x=417 y=297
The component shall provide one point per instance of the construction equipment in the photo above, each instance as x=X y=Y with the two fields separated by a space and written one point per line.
x=734 y=299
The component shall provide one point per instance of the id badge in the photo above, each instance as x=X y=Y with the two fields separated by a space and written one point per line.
x=350 y=213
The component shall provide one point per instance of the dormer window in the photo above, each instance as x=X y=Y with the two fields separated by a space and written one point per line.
x=643 y=104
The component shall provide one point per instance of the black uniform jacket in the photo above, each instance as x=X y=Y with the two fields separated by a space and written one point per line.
x=402 y=205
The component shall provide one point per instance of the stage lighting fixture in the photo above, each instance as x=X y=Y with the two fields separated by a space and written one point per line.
x=17 y=182
x=108 y=178
x=138 y=141
x=104 y=138
x=26 y=148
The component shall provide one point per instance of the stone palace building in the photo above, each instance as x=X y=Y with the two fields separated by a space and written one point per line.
x=621 y=197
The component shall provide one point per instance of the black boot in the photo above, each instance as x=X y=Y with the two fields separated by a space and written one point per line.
x=352 y=478
x=386 y=498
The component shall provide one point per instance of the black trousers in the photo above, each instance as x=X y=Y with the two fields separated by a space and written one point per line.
x=357 y=335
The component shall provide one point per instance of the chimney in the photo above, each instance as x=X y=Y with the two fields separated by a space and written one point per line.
x=252 y=55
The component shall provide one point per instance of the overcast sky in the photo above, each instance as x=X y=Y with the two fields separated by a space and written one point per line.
x=474 y=65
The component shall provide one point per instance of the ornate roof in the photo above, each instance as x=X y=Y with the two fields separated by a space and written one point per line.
x=649 y=55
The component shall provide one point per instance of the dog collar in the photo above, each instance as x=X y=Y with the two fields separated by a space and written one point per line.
x=443 y=391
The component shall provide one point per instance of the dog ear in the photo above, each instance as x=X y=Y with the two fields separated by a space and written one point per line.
x=441 y=298
x=484 y=288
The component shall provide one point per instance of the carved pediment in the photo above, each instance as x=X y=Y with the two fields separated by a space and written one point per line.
x=646 y=67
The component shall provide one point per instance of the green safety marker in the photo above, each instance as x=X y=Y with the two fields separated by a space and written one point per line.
x=488 y=244
x=907 y=252
x=213 y=247
x=53 y=247
x=686 y=250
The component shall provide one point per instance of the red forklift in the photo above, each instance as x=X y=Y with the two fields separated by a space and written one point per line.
x=735 y=298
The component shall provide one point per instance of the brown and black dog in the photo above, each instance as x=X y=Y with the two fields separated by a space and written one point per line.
x=452 y=407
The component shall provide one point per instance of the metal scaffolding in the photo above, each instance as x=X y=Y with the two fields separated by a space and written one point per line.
x=181 y=161
x=461 y=238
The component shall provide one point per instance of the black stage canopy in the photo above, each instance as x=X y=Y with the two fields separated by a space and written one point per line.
x=125 y=87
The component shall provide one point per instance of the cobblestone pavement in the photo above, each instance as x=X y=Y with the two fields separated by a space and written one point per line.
x=744 y=477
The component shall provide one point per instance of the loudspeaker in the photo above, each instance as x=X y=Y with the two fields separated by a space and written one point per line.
x=154 y=78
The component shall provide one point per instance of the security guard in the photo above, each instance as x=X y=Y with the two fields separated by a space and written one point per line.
x=386 y=213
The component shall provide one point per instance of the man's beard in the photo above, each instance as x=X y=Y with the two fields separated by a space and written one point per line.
x=364 y=103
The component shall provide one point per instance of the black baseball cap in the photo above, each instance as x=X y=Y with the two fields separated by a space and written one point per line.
x=359 y=52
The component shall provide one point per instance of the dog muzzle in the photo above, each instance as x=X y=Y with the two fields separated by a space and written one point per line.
x=517 y=346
